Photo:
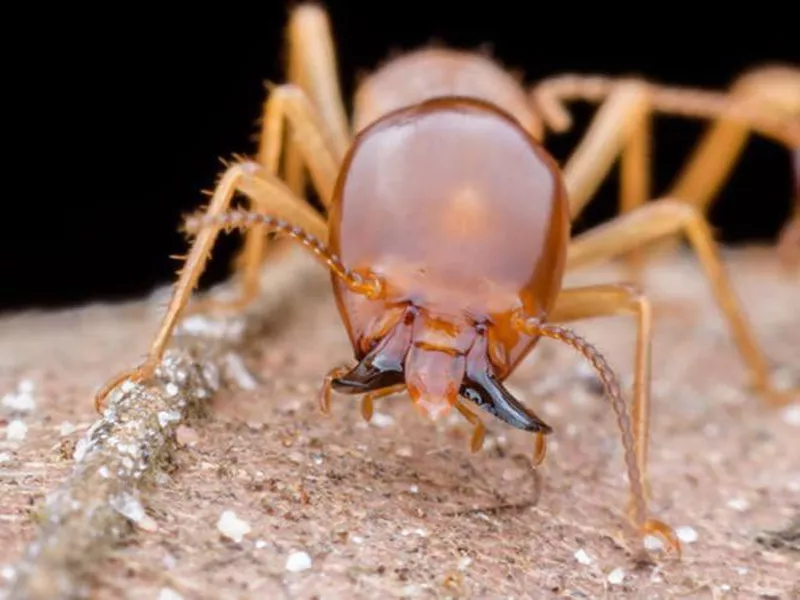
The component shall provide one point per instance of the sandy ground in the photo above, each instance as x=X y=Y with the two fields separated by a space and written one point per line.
x=336 y=508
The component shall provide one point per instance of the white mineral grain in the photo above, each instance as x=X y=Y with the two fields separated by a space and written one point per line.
x=791 y=414
x=738 y=504
x=382 y=420
x=414 y=489
x=405 y=451
x=169 y=561
x=165 y=417
x=66 y=428
x=582 y=557
x=81 y=447
x=298 y=561
x=8 y=572
x=172 y=390
x=232 y=527
x=129 y=507
x=16 y=431
x=617 y=576
x=687 y=534
x=261 y=544
x=239 y=372
x=21 y=400
x=169 y=594
x=653 y=543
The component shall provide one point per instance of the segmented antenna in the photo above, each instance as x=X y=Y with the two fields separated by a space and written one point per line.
x=242 y=220
x=612 y=388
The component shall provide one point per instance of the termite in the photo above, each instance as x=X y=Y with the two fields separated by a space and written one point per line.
x=447 y=226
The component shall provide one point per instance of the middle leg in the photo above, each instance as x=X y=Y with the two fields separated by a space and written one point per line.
x=659 y=220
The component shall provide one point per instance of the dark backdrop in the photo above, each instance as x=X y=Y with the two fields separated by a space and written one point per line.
x=133 y=107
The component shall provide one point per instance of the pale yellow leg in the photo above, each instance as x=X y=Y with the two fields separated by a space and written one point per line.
x=772 y=92
x=617 y=119
x=368 y=401
x=286 y=103
x=478 y=431
x=765 y=101
x=314 y=141
x=611 y=300
x=656 y=221
x=312 y=56
x=266 y=192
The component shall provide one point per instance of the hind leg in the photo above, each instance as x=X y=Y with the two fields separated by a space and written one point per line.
x=766 y=102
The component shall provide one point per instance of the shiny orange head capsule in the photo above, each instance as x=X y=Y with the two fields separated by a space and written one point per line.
x=462 y=216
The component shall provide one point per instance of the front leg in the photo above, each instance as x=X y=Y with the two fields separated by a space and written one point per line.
x=315 y=141
x=286 y=104
x=285 y=212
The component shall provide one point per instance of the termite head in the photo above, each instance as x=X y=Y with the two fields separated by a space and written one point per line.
x=439 y=360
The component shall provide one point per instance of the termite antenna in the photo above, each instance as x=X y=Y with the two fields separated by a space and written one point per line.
x=612 y=388
x=242 y=220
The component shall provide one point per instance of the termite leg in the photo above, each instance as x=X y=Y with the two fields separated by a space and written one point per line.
x=368 y=401
x=305 y=123
x=327 y=386
x=623 y=112
x=272 y=195
x=663 y=218
x=638 y=497
x=764 y=101
x=770 y=92
x=286 y=104
x=478 y=431
x=607 y=301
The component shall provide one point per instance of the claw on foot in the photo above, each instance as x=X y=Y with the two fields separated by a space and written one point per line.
x=367 y=407
x=539 y=449
x=325 y=400
x=478 y=435
x=139 y=374
x=665 y=533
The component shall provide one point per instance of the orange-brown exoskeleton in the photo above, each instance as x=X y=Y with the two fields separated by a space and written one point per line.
x=447 y=228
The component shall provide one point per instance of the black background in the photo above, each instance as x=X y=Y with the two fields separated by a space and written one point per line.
x=126 y=111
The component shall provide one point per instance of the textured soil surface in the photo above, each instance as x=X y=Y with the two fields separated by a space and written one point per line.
x=331 y=507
